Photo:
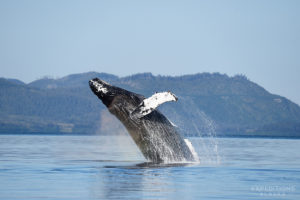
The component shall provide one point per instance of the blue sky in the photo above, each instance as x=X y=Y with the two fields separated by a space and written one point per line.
x=257 y=38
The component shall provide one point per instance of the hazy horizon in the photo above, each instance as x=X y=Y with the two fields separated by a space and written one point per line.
x=120 y=76
x=259 y=39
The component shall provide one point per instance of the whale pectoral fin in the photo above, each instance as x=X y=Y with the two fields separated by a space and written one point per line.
x=151 y=103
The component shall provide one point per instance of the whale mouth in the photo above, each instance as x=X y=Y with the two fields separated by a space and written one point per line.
x=98 y=86
x=102 y=89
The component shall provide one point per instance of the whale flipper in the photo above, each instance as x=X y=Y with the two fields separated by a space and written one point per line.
x=151 y=103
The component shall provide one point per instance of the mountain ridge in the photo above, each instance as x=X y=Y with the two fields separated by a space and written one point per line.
x=208 y=102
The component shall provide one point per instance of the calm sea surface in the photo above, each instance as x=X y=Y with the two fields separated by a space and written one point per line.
x=102 y=167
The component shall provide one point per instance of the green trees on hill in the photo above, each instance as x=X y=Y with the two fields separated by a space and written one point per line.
x=230 y=105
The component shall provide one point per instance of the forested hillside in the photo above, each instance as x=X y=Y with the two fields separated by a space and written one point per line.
x=207 y=103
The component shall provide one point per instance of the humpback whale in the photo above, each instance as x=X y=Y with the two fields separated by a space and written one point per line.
x=153 y=133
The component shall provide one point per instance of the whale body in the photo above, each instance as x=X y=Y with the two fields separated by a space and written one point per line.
x=152 y=132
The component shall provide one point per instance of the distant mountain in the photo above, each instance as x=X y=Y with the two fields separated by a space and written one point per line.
x=208 y=103
x=71 y=81
x=16 y=81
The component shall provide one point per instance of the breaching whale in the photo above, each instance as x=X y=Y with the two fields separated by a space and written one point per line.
x=152 y=132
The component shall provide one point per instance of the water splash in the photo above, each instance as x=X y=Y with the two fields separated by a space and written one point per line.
x=165 y=148
x=192 y=149
x=205 y=143
x=207 y=146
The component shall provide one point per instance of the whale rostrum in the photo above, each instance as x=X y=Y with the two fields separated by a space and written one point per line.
x=152 y=132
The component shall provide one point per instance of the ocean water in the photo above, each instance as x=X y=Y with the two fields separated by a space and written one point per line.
x=104 y=167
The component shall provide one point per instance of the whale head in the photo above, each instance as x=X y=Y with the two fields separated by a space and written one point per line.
x=114 y=97
x=103 y=91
